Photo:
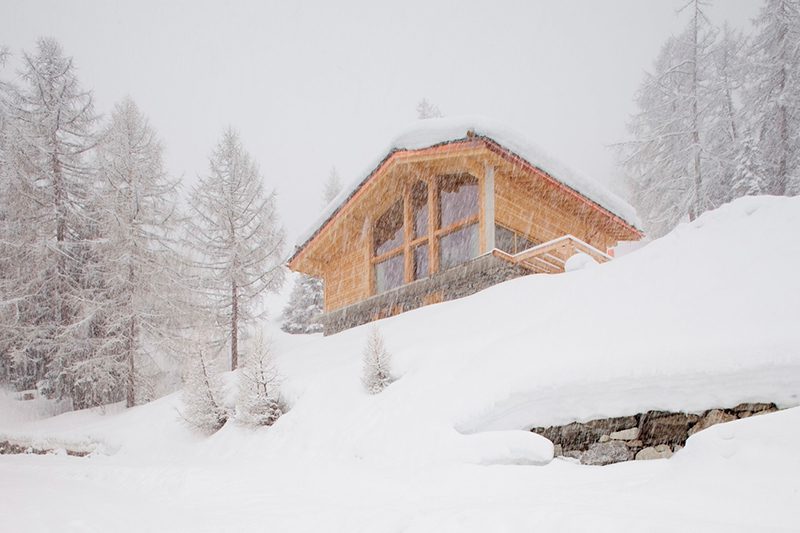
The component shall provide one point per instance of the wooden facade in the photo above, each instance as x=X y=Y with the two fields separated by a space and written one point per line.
x=422 y=211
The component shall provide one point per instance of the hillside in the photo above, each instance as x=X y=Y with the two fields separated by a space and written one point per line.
x=704 y=317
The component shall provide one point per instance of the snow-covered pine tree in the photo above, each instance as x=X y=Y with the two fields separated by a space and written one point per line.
x=304 y=308
x=723 y=137
x=259 y=402
x=333 y=185
x=49 y=183
x=238 y=239
x=748 y=177
x=426 y=110
x=376 y=364
x=773 y=97
x=666 y=158
x=141 y=312
x=203 y=395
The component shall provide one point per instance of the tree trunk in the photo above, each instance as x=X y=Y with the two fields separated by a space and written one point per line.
x=130 y=396
x=234 y=326
x=696 y=208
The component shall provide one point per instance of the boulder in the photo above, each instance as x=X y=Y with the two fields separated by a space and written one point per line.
x=604 y=438
x=659 y=427
x=579 y=435
x=557 y=450
x=662 y=451
x=744 y=410
x=634 y=443
x=625 y=434
x=713 y=417
x=606 y=453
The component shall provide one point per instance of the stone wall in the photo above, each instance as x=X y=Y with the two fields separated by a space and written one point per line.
x=459 y=281
x=650 y=435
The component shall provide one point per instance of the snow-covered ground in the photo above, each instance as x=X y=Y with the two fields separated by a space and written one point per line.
x=704 y=317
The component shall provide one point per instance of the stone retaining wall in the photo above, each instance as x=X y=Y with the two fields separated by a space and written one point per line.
x=650 y=435
x=456 y=282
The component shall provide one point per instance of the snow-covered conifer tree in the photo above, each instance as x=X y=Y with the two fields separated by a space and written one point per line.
x=303 y=310
x=259 y=402
x=141 y=311
x=376 y=364
x=203 y=401
x=50 y=121
x=667 y=157
x=239 y=242
x=333 y=185
x=748 y=177
x=426 y=110
x=773 y=97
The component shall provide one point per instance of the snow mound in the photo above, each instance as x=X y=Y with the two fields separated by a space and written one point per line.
x=435 y=131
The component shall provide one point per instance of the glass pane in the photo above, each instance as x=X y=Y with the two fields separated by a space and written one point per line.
x=389 y=229
x=524 y=243
x=419 y=202
x=458 y=198
x=389 y=273
x=460 y=246
x=421 y=261
x=504 y=239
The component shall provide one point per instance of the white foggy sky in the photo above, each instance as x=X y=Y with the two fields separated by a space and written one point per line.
x=315 y=84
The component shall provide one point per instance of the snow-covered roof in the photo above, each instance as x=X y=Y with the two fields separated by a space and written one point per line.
x=437 y=131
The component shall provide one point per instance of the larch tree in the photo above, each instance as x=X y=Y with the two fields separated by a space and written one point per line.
x=141 y=312
x=203 y=394
x=773 y=96
x=667 y=157
x=332 y=188
x=238 y=240
x=259 y=402
x=376 y=364
x=50 y=121
x=426 y=110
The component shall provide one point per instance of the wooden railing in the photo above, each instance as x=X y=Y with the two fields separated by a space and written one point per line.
x=551 y=256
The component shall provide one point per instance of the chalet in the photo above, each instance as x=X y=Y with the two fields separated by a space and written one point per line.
x=452 y=208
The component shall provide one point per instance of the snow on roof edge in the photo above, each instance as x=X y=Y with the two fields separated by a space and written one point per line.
x=437 y=131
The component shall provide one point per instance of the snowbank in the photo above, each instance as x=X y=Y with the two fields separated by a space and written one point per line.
x=704 y=317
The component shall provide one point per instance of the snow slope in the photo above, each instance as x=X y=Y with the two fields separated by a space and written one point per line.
x=704 y=317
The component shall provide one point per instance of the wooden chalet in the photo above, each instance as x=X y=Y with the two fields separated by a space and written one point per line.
x=450 y=215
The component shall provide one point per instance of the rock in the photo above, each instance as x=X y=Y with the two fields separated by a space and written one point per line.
x=634 y=443
x=604 y=438
x=677 y=448
x=659 y=427
x=606 y=453
x=625 y=434
x=753 y=408
x=713 y=417
x=557 y=450
x=662 y=451
x=573 y=454
x=579 y=435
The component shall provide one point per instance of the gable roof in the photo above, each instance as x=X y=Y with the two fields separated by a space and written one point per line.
x=431 y=133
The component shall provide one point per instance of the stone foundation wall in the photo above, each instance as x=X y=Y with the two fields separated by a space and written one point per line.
x=650 y=435
x=457 y=282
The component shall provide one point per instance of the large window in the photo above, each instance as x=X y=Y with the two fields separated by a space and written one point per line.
x=453 y=223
